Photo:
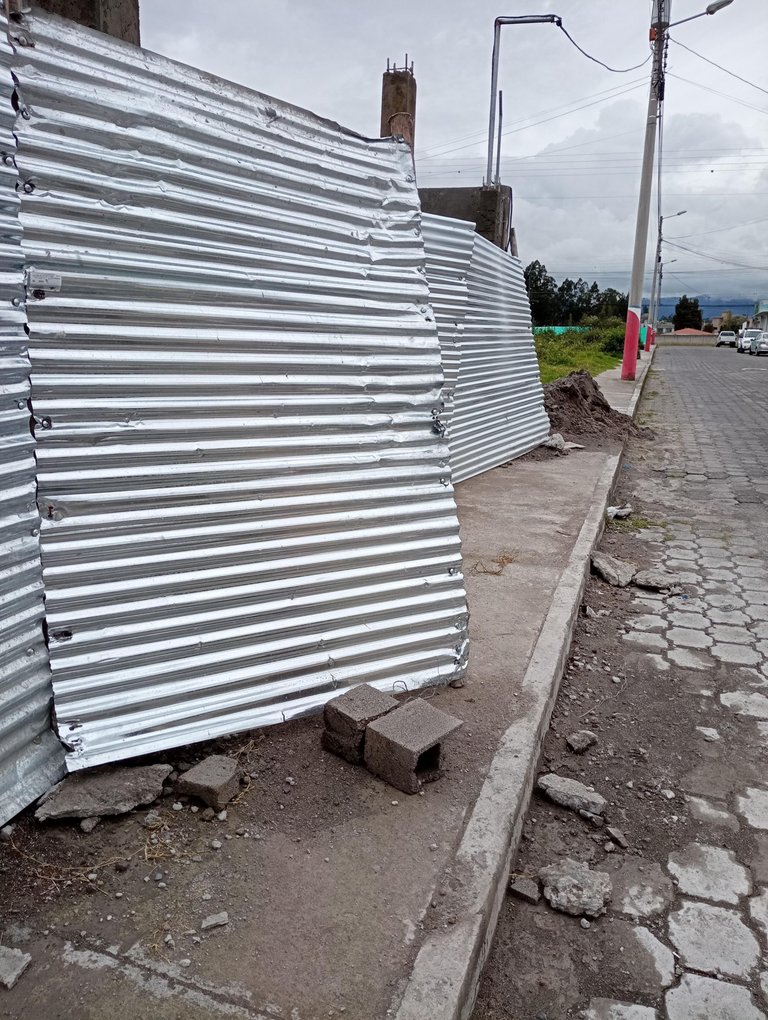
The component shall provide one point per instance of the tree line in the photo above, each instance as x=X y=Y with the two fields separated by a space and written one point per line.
x=575 y=301
x=572 y=301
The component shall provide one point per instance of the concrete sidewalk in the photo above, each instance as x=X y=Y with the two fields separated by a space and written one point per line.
x=345 y=898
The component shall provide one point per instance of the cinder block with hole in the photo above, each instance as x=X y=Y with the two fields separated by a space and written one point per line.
x=405 y=747
x=347 y=716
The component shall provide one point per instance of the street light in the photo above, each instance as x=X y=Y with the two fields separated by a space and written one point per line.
x=659 y=25
x=654 y=305
x=525 y=19
x=712 y=8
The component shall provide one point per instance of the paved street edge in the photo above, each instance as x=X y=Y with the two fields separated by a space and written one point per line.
x=444 y=979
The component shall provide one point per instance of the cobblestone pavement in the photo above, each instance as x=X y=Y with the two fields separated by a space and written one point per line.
x=676 y=689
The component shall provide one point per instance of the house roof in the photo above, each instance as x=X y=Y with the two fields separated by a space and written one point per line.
x=691 y=332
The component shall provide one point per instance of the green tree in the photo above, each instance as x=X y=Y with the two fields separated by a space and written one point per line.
x=542 y=293
x=687 y=313
x=732 y=322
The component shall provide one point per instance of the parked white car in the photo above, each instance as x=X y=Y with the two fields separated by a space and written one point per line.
x=726 y=336
x=759 y=344
x=745 y=339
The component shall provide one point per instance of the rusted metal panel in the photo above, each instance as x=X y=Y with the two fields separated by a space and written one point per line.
x=31 y=757
x=245 y=498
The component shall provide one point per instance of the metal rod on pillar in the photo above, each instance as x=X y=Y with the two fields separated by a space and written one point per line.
x=498 y=140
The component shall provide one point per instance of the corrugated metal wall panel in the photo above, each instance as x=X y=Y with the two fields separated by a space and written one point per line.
x=498 y=404
x=31 y=757
x=448 y=245
x=245 y=504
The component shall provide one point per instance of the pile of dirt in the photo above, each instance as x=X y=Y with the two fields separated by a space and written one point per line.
x=577 y=408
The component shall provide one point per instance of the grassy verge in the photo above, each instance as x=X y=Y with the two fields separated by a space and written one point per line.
x=596 y=350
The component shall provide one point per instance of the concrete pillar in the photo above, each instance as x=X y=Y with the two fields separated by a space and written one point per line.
x=489 y=208
x=398 y=104
x=119 y=18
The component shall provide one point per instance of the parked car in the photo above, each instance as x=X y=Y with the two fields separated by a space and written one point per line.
x=745 y=339
x=759 y=344
x=726 y=336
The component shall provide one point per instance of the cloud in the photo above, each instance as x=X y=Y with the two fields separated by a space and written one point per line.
x=572 y=151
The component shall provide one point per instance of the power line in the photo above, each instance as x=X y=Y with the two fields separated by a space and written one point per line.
x=544 y=120
x=714 y=258
x=717 y=92
x=720 y=230
x=720 y=66
x=615 y=70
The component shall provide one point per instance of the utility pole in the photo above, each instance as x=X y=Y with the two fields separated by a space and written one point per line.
x=659 y=25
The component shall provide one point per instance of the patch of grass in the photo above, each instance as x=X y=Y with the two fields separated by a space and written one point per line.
x=594 y=350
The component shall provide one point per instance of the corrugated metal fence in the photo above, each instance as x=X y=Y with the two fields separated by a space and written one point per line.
x=495 y=400
x=240 y=408
x=246 y=502
x=30 y=755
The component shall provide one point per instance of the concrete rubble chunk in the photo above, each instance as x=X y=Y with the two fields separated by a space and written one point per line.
x=13 y=963
x=215 y=921
x=570 y=793
x=579 y=741
x=347 y=717
x=215 y=780
x=405 y=747
x=525 y=889
x=555 y=442
x=573 y=888
x=617 y=836
x=102 y=792
x=656 y=580
x=616 y=572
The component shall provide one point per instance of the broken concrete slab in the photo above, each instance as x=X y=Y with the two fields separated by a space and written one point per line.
x=612 y=1009
x=640 y=888
x=13 y=963
x=579 y=741
x=713 y=940
x=656 y=580
x=573 y=888
x=616 y=572
x=405 y=747
x=215 y=780
x=570 y=793
x=103 y=792
x=701 y=998
x=709 y=873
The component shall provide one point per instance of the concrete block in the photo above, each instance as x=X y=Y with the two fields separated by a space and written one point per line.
x=350 y=713
x=13 y=963
x=348 y=748
x=214 y=780
x=405 y=747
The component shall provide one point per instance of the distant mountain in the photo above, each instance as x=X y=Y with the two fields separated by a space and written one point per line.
x=710 y=306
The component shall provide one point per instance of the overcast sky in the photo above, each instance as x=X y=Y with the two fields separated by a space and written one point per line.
x=573 y=131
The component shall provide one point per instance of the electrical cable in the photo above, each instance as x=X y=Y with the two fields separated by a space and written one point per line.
x=716 y=92
x=719 y=66
x=614 y=70
x=714 y=258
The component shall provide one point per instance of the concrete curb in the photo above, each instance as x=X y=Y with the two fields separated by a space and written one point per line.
x=445 y=976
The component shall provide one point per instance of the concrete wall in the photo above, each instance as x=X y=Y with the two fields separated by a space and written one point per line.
x=119 y=18
x=490 y=209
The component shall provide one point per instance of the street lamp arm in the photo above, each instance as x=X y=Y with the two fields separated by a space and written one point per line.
x=712 y=8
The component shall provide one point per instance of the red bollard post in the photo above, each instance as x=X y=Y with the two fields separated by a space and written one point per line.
x=631 y=341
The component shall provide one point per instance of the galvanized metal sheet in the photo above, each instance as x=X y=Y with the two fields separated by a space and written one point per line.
x=31 y=757
x=448 y=245
x=246 y=505
x=498 y=411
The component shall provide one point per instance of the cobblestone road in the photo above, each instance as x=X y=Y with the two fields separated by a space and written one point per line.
x=682 y=734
